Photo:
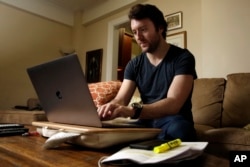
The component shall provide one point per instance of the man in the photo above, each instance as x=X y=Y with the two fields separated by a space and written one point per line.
x=164 y=75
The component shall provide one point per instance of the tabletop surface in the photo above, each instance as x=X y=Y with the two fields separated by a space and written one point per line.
x=28 y=151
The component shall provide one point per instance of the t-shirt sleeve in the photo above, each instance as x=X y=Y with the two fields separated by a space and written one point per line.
x=129 y=72
x=186 y=64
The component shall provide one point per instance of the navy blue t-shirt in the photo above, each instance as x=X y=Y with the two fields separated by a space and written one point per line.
x=153 y=82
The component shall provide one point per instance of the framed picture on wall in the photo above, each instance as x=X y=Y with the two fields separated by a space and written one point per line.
x=174 y=21
x=94 y=65
x=178 y=39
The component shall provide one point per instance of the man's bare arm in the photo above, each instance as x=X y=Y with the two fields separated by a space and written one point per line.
x=176 y=97
x=125 y=93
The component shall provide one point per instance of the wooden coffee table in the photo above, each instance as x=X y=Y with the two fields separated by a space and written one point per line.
x=28 y=151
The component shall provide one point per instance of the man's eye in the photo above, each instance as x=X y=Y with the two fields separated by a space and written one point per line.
x=143 y=29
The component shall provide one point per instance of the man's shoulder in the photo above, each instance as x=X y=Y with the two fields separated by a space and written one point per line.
x=176 y=49
x=137 y=59
x=177 y=52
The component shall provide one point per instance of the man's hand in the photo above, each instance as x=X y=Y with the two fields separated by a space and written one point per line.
x=111 y=111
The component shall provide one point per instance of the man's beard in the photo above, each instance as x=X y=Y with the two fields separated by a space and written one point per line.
x=152 y=46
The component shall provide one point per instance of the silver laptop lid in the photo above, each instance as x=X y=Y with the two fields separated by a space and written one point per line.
x=63 y=92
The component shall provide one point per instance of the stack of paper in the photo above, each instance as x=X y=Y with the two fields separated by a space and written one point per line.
x=186 y=151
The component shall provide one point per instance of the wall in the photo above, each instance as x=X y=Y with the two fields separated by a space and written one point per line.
x=25 y=40
x=225 y=37
x=96 y=37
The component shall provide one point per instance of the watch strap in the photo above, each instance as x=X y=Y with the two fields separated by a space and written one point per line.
x=137 y=108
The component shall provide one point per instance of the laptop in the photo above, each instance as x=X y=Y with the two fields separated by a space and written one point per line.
x=64 y=95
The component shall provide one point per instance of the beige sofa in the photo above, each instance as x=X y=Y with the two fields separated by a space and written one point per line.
x=221 y=111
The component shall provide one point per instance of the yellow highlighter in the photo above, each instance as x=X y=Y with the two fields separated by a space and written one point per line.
x=167 y=146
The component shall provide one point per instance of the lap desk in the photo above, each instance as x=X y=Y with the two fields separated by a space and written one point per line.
x=96 y=137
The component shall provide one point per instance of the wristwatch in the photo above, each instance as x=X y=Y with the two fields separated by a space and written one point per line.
x=137 y=108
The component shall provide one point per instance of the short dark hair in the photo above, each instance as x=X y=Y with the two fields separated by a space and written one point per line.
x=151 y=12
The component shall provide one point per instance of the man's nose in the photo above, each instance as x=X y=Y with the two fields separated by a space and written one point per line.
x=139 y=36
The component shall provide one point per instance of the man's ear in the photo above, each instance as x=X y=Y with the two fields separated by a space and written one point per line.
x=161 y=29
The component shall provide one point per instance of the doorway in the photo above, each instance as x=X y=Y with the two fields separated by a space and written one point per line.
x=124 y=51
x=128 y=49
x=113 y=46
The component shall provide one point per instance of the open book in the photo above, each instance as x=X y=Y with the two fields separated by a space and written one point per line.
x=186 y=151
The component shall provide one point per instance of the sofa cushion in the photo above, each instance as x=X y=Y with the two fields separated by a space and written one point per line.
x=228 y=135
x=207 y=100
x=103 y=92
x=236 y=103
x=223 y=140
